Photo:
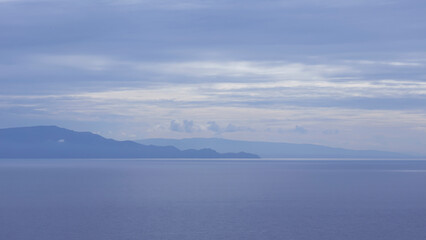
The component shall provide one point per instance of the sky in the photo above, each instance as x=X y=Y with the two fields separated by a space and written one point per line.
x=338 y=73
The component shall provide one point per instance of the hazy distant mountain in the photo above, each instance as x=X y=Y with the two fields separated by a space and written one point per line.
x=271 y=149
x=55 y=142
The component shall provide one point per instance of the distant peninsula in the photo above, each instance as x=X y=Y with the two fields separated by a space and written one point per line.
x=275 y=149
x=56 y=142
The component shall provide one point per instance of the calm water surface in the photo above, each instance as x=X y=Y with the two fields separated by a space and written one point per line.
x=205 y=199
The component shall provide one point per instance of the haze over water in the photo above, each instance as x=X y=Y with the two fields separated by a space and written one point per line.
x=190 y=199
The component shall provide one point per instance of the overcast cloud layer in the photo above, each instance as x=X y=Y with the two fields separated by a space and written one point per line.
x=339 y=73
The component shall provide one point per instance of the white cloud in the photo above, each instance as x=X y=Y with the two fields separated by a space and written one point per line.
x=213 y=126
x=231 y=69
x=414 y=63
x=229 y=92
x=248 y=69
x=220 y=92
x=187 y=126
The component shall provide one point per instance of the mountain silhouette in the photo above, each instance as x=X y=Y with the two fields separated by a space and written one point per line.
x=272 y=149
x=56 y=142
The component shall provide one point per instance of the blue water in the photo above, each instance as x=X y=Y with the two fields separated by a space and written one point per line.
x=205 y=199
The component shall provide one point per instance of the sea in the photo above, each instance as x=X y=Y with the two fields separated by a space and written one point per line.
x=200 y=199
